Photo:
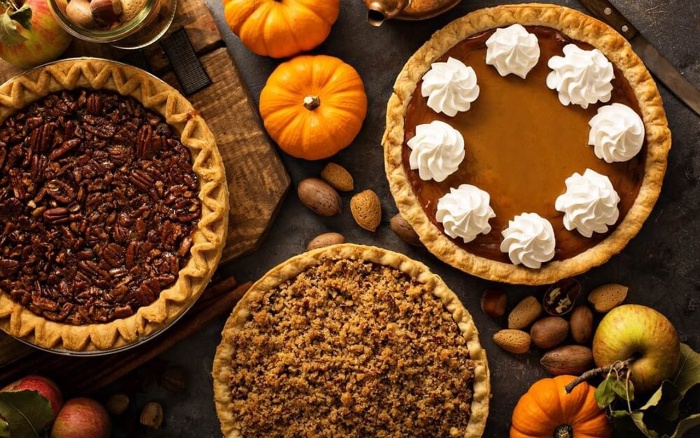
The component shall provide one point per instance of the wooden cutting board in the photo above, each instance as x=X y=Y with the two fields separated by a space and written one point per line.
x=257 y=180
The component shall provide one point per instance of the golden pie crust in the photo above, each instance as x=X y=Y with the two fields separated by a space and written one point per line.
x=209 y=237
x=310 y=265
x=574 y=25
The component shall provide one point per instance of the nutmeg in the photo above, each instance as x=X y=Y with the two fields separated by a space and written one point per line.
x=525 y=313
x=366 y=209
x=318 y=196
x=608 y=296
x=493 y=302
x=581 y=323
x=325 y=239
x=404 y=230
x=569 y=359
x=152 y=415
x=513 y=341
x=549 y=332
x=338 y=177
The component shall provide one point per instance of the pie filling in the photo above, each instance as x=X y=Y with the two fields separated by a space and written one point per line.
x=350 y=348
x=98 y=204
x=521 y=145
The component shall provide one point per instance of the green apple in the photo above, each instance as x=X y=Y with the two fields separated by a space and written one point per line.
x=643 y=334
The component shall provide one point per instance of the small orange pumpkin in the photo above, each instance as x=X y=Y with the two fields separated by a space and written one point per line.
x=547 y=411
x=281 y=28
x=313 y=106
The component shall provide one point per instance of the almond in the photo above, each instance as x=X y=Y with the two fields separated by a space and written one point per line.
x=319 y=197
x=404 y=230
x=513 y=341
x=569 y=359
x=525 y=313
x=325 y=239
x=581 y=324
x=493 y=302
x=549 y=332
x=604 y=298
x=366 y=209
x=338 y=177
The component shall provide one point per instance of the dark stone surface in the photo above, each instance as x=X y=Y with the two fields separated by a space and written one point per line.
x=661 y=265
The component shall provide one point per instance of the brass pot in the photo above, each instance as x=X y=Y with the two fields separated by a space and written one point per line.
x=382 y=10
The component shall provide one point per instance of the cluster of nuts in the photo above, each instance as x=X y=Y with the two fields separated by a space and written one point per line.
x=548 y=333
x=102 y=14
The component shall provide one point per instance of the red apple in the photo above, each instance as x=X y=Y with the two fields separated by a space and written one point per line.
x=81 y=418
x=44 y=40
x=46 y=387
x=643 y=334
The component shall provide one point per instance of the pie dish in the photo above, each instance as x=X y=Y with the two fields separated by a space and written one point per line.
x=350 y=340
x=114 y=206
x=522 y=141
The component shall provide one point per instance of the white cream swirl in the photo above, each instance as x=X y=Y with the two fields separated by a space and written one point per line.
x=437 y=150
x=465 y=212
x=450 y=87
x=589 y=204
x=617 y=133
x=529 y=240
x=512 y=50
x=581 y=77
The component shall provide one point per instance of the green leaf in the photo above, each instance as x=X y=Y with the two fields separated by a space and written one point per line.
x=685 y=425
x=23 y=16
x=9 y=34
x=4 y=429
x=623 y=425
x=688 y=374
x=624 y=390
x=665 y=402
x=604 y=393
x=638 y=418
x=27 y=412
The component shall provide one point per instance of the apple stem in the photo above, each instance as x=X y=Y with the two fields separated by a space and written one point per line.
x=616 y=367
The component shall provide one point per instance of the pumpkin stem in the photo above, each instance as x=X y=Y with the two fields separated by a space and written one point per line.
x=312 y=102
x=563 y=431
x=616 y=367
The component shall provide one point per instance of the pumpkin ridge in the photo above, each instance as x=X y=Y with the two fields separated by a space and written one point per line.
x=316 y=12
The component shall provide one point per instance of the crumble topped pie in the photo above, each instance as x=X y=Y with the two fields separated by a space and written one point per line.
x=504 y=184
x=113 y=206
x=351 y=341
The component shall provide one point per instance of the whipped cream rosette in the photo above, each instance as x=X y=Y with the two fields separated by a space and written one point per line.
x=529 y=240
x=512 y=50
x=617 y=133
x=589 y=204
x=450 y=87
x=581 y=77
x=437 y=150
x=465 y=212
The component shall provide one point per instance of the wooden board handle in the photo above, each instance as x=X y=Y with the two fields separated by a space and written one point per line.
x=605 y=11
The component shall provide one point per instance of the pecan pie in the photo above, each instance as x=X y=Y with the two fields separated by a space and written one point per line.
x=522 y=141
x=113 y=206
x=351 y=341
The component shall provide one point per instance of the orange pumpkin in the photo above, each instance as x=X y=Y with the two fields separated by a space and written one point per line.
x=547 y=411
x=281 y=28
x=313 y=106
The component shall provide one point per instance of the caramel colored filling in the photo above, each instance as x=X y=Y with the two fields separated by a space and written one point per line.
x=521 y=144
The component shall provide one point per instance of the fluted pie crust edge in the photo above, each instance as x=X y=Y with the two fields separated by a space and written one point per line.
x=296 y=265
x=208 y=238
x=579 y=27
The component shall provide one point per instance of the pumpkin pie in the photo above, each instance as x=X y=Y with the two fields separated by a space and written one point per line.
x=113 y=206
x=544 y=143
x=352 y=341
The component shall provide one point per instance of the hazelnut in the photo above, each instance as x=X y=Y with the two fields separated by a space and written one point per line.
x=117 y=404
x=152 y=415
x=493 y=302
x=106 y=12
x=581 y=324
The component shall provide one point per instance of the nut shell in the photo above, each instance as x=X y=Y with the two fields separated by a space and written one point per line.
x=338 y=177
x=404 y=230
x=608 y=296
x=549 y=332
x=581 y=323
x=325 y=239
x=493 y=302
x=513 y=341
x=569 y=359
x=319 y=197
x=525 y=313
x=117 y=404
x=366 y=209
x=152 y=415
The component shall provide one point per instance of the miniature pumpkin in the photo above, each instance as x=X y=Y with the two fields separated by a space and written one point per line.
x=281 y=28
x=547 y=411
x=313 y=106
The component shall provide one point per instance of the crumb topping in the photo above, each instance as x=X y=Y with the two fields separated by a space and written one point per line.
x=354 y=349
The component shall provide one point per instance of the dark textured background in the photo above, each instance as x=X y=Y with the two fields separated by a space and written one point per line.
x=661 y=265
